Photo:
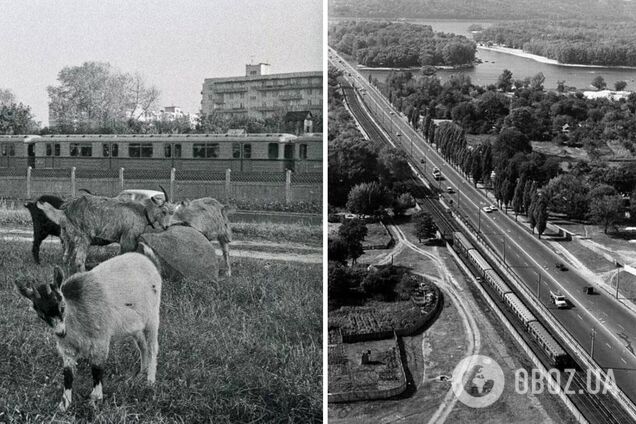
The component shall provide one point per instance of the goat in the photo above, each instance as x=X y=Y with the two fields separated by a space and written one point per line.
x=119 y=297
x=209 y=217
x=87 y=219
x=42 y=225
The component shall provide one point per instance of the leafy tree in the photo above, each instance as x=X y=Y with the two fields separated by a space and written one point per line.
x=561 y=86
x=7 y=98
x=568 y=195
x=425 y=227
x=601 y=191
x=599 y=83
x=528 y=190
x=341 y=283
x=504 y=82
x=394 y=165
x=381 y=283
x=536 y=82
x=403 y=202
x=509 y=142
x=475 y=166
x=517 y=199
x=352 y=161
x=95 y=95
x=352 y=232
x=606 y=210
x=369 y=199
x=338 y=250
x=620 y=85
x=523 y=119
x=540 y=211
x=17 y=119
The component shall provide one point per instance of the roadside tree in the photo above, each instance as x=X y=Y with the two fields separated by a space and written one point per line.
x=369 y=199
x=606 y=210
x=424 y=226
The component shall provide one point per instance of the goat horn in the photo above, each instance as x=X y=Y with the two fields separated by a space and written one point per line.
x=48 y=289
x=164 y=192
x=36 y=293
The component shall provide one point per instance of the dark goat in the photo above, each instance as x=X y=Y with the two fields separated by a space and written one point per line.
x=87 y=219
x=42 y=226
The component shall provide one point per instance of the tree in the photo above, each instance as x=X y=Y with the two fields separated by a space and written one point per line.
x=606 y=210
x=522 y=119
x=341 y=281
x=509 y=142
x=96 y=95
x=536 y=82
x=620 y=85
x=568 y=195
x=369 y=199
x=338 y=250
x=424 y=226
x=394 y=165
x=353 y=232
x=17 y=119
x=517 y=199
x=403 y=202
x=504 y=82
x=7 y=97
x=561 y=86
x=541 y=213
x=599 y=83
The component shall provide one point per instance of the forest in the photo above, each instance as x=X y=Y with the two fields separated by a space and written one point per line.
x=608 y=10
x=399 y=45
x=568 y=41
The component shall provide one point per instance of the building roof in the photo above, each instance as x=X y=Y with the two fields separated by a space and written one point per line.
x=300 y=115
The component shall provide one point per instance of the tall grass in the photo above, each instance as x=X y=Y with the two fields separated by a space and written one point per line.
x=247 y=349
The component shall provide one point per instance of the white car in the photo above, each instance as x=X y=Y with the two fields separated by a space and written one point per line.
x=450 y=190
x=488 y=209
x=140 y=194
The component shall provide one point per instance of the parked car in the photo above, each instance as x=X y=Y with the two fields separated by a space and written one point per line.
x=588 y=290
x=450 y=189
x=561 y=266
x=559 y=300
x=488 y=209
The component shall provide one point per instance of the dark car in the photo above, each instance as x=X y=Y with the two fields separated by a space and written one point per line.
x=561 y=266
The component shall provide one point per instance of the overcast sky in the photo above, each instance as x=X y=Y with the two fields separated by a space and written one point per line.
x=173 y=44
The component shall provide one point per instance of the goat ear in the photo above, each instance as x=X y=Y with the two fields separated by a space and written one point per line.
x=58 y=276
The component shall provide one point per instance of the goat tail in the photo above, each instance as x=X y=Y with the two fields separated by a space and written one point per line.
x=150 y=254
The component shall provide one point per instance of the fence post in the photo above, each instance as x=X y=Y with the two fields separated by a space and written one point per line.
x=288 y=193
x=228 y=184
x=73 y=181
x=121 y=178
x=172 y=177
x=28 y=193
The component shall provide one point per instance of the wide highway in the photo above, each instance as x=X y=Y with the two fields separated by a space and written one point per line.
x=597 y=320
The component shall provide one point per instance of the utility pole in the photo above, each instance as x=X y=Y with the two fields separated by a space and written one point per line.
x=504 y=249
x=618 y=273
x=592 y=347
x=479 y=219
x=539 y=288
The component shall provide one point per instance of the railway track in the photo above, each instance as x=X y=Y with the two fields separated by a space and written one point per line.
x=597 y=407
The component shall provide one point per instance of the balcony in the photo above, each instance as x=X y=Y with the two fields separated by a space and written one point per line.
x=228 y=89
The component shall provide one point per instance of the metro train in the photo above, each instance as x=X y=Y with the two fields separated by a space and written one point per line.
x=237 y=151
x=558 y=357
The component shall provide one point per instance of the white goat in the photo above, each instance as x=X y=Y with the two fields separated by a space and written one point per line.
x=119 y=297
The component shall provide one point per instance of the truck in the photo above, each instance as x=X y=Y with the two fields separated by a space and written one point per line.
x=558 y=299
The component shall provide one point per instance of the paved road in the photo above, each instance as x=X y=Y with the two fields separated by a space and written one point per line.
x=614 y=325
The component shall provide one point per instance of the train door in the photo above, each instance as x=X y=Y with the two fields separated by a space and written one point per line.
x=31 y=155
x=288 y=154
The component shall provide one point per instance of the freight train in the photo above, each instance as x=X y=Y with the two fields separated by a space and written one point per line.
x=557 y=356
x=236 y=150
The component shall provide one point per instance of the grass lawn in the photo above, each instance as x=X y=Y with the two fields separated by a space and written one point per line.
x=247 y=349
x=376 y=235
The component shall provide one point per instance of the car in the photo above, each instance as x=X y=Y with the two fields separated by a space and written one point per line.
x=487 y=209
x=140 y=194
x=398 y=134
x=493 y=208
x=450 y=189
x=392 y=113
x=422 y=160
x=559 y=300
x=561 y=266
x=588 y=290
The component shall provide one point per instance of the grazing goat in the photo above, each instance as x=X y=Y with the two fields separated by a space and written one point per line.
x=87 y=219
x=42 y=226
x=209 y=217
x=119 y=297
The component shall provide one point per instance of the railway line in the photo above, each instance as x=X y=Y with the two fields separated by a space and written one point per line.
x=597 y=407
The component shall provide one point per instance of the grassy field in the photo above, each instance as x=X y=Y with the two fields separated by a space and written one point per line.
x=247 y=349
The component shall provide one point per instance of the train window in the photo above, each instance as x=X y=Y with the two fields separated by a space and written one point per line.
x=140 y=150
x=289 y=151
x=114 y=150
x=167 y=150
x=56 y=150
x=236 y=150
x=272 y=151
x=177 y=150
x=86 y=150
x=302 y=151
x=106 y=150
x=207 y=150
x=74 y=149
x=247 y=151
x=49 y=149
x=4 y=150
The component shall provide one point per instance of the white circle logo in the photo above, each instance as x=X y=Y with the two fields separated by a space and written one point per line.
x=478 y=381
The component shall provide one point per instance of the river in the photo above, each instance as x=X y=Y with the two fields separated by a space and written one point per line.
x=495 y=62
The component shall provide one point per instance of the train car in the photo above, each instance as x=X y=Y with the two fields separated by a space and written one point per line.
x=558 y=357
x=461 y=243
x=497 y=283
x=478 y=261
x=519 y=309
x=235 y=150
